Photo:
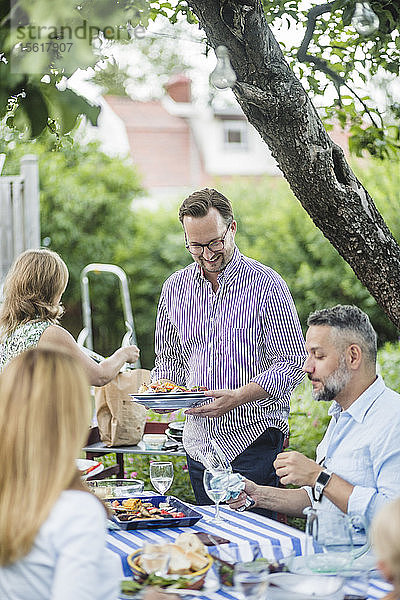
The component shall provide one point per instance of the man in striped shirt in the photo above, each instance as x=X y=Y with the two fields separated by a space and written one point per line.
x=228 y=323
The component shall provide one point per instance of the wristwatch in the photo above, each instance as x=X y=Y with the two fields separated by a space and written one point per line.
x=320 y=484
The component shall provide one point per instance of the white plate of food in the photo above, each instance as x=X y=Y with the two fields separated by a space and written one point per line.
x=164 y=394
x=170 y=401
x=88 y=468
x=165 y=386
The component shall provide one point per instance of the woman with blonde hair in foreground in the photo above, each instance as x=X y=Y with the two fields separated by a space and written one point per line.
x=385 y=534
x=31 y=310
x=52 y=529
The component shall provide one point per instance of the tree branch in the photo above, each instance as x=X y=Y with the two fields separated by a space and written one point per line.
x=320 y=63
x=313 y=14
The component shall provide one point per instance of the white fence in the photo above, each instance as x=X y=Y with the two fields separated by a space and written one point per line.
x=19 y=213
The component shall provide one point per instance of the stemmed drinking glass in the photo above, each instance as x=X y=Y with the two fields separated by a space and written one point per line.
x=251 y=580
x=215 y=485
x=161 y=475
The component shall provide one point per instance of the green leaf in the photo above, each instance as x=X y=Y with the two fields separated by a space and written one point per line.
x=67 y=106
x=36 y=110
x=348 y=12
x=393 y=67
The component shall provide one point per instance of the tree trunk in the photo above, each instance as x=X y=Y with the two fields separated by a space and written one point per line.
x=275 y=102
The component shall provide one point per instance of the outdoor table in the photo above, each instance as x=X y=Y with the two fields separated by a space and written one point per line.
x=140 y=448
x=239 y=527
x=96 y=448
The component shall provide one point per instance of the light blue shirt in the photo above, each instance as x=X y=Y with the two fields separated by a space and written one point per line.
x=362 y=445
x=69 y=559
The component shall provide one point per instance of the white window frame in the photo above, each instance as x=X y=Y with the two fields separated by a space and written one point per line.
x=235 y=125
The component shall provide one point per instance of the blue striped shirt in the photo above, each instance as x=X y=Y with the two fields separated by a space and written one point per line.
x=247 y=331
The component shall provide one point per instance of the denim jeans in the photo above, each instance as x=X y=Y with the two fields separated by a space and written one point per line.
x=255 y=463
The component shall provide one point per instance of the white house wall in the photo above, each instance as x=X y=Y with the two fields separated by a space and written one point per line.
x=218 y=160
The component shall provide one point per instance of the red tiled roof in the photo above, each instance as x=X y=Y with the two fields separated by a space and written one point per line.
x=178 y=78
x=161 y=144
x=147 y=115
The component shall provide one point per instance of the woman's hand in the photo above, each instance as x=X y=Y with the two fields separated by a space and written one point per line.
x=98 y=373
x=131 y=353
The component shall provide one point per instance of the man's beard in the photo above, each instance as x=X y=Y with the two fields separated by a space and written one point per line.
x=226 y=258
x=213 y=268
x=334 y=383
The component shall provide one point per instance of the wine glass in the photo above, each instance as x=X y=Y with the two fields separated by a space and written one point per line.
x=215 y=484
x=161 y=475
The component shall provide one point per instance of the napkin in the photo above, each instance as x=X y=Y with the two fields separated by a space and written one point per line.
x=233 y=483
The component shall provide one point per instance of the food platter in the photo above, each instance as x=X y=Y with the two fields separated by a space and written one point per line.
x=188 y=518
x=170 y=400
x=210 y=585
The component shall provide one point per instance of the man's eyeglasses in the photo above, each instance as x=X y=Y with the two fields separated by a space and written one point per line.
x=214 y=246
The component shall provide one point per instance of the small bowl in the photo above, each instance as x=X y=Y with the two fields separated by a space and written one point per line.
x=116 y=488
x=154 y=441
x=194 y=580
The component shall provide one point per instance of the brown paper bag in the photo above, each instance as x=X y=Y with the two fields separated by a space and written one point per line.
x=121 y=422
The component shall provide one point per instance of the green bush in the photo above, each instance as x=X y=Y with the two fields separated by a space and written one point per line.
x=308 y=421
x=388 y=363
x=155 y=250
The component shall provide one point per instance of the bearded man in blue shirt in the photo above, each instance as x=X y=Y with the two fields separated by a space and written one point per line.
x=357 y=466
x=228 y=323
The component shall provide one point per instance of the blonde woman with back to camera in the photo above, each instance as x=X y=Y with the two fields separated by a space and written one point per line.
x=385 y=535
x=30 y=313
x=52 y=529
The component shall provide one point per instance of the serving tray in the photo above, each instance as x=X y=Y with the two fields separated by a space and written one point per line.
x=191 y=516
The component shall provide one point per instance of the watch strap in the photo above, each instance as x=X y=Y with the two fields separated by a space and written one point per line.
x=320 y=484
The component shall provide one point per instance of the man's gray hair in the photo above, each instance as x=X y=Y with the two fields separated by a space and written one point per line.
x=351 y=325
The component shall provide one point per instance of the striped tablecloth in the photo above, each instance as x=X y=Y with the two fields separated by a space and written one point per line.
x=238 y=528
